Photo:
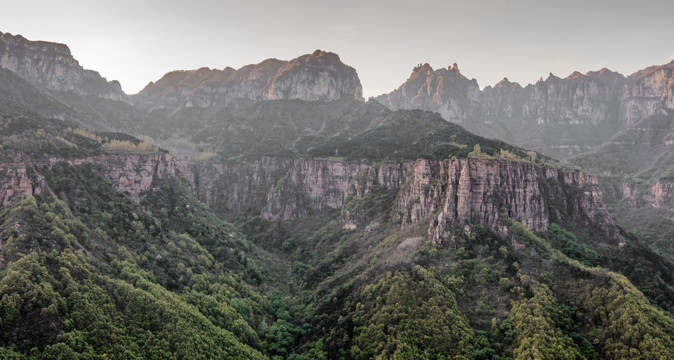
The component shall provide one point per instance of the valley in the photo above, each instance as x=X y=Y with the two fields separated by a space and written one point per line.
x=271 y=212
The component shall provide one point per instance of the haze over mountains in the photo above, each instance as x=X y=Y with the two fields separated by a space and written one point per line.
x=282 y=216
x=557 y=116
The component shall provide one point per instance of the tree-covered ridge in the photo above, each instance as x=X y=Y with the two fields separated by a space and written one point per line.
x=55 y=301
x=86 y=271
x=484 y=296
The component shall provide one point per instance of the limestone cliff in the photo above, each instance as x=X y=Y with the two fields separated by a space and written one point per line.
x=557 y=116
x=14 y=179
x=320 y=76
x=445 y=91
x=648 y=91
x=132 y=173
x=51 y=66
x=452 y=194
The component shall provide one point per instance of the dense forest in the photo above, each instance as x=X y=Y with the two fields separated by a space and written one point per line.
x=296 y=229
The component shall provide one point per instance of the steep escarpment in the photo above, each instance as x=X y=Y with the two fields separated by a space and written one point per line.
x=557 y=116
x=445 y=91
x=647 y=92
x=51 y=66
x=452 y=194
x=320 y=76
x=131 y=173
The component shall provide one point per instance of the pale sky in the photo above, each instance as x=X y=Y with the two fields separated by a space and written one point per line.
x=138 y=41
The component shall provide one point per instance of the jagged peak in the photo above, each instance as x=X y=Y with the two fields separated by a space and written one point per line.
x=575 y=75
x=319 y=53
x=552 y=76
x=422 y=68
x=649 y=70
x=454 y=67
x=503 y=83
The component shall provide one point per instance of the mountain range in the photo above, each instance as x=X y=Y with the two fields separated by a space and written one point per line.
x=270 y=212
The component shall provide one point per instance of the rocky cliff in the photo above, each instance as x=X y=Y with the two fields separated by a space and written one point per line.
x=452 y=194
x=14 y=179
x=445 y=91
x=132 y=173
x=647 y=92
x=320 y=76
x=51 y=66
x=558 y=116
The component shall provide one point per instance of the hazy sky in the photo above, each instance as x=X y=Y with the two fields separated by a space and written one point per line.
x=137 y=41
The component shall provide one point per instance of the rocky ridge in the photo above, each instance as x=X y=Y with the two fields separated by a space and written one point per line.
x=320 y=76
x=558 y=116
x=51 y=66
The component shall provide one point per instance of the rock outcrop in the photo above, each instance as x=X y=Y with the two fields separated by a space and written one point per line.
x=319 y=76
x=51 y=66
x=663 y=194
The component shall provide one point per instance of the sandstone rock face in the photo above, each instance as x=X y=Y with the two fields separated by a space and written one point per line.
x=319 y=76
x=453 y=194
x=559 y=117
x=51 y=66
x=133 y=173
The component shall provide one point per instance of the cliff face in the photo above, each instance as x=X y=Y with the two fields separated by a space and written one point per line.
x=663 y=193
x=319 y=76
x=51 y=66
x=454 y=194
x=288 y=189
x=559 y=117
x=647 y=91
x=132 y=173
x=445 y=91
x=14 y=179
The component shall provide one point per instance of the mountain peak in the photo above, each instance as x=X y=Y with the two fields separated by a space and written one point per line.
x=575 y=75
x=454 y=67
x=503 y=83
x=319 y=76
x=51 y=66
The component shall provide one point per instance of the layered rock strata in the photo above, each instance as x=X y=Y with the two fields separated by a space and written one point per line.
x=453 y=194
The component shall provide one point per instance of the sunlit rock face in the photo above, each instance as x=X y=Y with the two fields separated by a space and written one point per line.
x=51 y=66
x=320 y=76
